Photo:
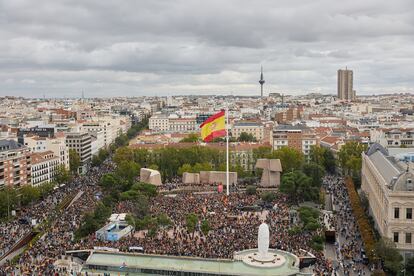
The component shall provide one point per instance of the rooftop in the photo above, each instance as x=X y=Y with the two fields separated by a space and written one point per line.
x=116 y=261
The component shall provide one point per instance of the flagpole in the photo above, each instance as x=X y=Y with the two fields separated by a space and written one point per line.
x=227 y=149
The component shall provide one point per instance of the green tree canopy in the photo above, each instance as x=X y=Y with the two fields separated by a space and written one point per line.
x=205 y=227
x=192 y=138
x=314 y=171
x=191 y=222
x=246 y=137
x=385 y=249
x=74 y=160
x=298 y=187
x=62 y=174
x=290 y=158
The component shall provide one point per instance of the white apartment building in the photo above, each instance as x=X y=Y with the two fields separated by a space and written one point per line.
x=393 y=137
x=388 y=184
x=82 y=143
x=159 y=122
x=253 y=128
x=44 y=166
x=57 y=145
x=182 y=124
x=97 y=142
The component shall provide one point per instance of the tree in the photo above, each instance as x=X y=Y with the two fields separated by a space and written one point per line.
x=246 y=137
x=251 y=190
x=329 y=161
x=309 y=217
x=409 y=266
x=316 y=155
x=350 y=157
x=290 y=158
x=185 y=168
x=74 y=161
x=324 y=157
x=314 y=171
x=192 y=138
x=140 y=206
x=29 y=194
x=8 y=201
x=128 y=170
x=385 y=249
x=95 y=161
x=123 y=154
x=268 y=197
x=153 y=167
x=191 y=222
x=163 y=220
x=198 y=167
x=62 y=174
x=298 y=187
x=205 y=227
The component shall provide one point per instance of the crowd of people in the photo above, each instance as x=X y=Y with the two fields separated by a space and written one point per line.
x=39 y=257
x=349 y=246
x=18 y=227
x=231 y=229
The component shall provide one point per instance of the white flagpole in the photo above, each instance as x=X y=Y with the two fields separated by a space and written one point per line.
x=227 y=150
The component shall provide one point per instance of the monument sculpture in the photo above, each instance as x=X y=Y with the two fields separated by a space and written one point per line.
x=272 y=168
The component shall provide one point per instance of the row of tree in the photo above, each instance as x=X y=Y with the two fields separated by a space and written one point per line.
x=12 y=199
x=243 y=137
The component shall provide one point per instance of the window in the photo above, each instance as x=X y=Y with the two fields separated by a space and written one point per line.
x=396 y=213
x=407 y=237
x=396 y=236
x=409 y=214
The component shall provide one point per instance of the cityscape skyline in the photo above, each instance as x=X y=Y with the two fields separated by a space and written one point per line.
x=194 y=48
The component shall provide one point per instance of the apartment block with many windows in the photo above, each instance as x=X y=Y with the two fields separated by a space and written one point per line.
x=388 y=184
x=298 y=137
x=15 y=163
x=81 y=142
x=44 y=167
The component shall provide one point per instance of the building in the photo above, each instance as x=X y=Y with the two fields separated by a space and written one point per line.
x=346 y=91
x=15 y=163
x=183 y=124
x=289 y=115
x=387 y=181
x=44 y=167
x=393 y=137
x=172 y=123
x=57 y=145
x=81 y=142
x=253 y=128
x=46 y=131
x=298 y=137
x=159 y=122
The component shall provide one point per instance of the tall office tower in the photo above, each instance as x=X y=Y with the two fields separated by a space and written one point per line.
x=261 y=81
x=345 y=85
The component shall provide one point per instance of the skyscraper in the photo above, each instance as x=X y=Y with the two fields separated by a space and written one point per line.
x=261 y=81
x=345 y=85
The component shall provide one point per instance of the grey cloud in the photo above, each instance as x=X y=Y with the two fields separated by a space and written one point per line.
x=163 y=46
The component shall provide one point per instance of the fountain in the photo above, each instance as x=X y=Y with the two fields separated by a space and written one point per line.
x=262 y=257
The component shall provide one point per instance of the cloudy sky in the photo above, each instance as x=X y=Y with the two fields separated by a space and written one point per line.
x=131 y=48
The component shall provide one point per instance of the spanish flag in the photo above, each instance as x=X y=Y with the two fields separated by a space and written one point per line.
x=213 y=127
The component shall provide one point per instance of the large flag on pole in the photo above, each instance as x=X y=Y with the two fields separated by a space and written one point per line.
x=213 y=127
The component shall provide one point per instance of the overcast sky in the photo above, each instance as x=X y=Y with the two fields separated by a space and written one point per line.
x=131 y=48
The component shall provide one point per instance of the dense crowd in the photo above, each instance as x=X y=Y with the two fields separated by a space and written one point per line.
x=17 y=228
x=349 y=247
x=232 y=229
x=39 y=258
